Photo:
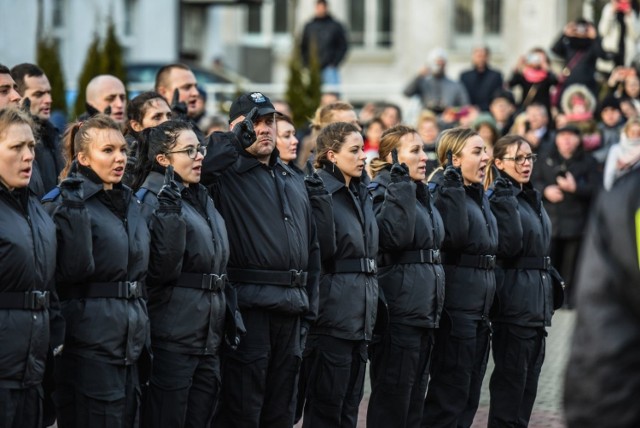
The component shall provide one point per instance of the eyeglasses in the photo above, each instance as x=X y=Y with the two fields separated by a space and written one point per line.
x=521 y=159
x=192 y=152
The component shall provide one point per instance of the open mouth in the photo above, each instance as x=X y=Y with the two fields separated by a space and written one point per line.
x=26 y=172
x=118 y=171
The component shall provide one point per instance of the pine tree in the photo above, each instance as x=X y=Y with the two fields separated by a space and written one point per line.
x=48 y=58
x=91 y=68
x=314 y=79
x=113 y=55
x=304 y=86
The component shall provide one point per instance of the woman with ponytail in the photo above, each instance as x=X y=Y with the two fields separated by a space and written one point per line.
x=524 y=302
x=186 y=279
x=103 y=254
x=461 y=346
x=410 y=276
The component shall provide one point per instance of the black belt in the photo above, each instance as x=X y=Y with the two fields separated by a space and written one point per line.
x=354 y=266
x=95 y=290
x=410 y=257
x=202 y=281
x=484 y=261
x=286 y=278
x=30 y=300
x=542 y=263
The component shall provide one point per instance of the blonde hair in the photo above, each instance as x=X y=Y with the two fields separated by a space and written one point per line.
x=389 y=140
x=453 y=140
x=324 y=115
x=12 y=116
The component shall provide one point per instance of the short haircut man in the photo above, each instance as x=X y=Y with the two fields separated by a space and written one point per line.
x=105 y=91
x=9 y=95
x=178 y=76
x=33 y=84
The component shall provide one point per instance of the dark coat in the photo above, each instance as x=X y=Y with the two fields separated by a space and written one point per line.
x=194 y=240
x=481 y=85
x=28 y=254
x=269 y=223
x=470 y=228
x=583 y=67
x=330 y=38
x=347 y=300
x=106 y=240
x=49 y=155
x=408 y=220
x=569 y=216
x=523 y=296
x=603 y=380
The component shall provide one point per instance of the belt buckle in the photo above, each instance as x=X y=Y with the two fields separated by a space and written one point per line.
x=370 y=265
x=36 y=299
x=208 y=281
x=296 y=278
x=488 y=261
x=437 y=258
x=132 y=289
x=547 y=263
x=220 y=281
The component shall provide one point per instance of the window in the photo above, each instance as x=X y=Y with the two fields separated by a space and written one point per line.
x=254 y=21
x=281 y=16
x=370 y=23
x=275 y=11
x=477 y=20
x=58 y=13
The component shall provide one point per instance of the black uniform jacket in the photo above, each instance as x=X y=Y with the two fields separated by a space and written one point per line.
x=49 y=155
x=28 y=260
x=193 y=241
x=523 y=296
x=269 y=223
x=470 y=229
x=105 y=241
x=408 y=221
x=348 y=230
x=603 y=378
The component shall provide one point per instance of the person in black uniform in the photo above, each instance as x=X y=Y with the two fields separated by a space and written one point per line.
x=29 y=311
x=411 y=277
x=335 y=358
x=471 y=239
x=103 y=254
x=524 y=304
x=274 y=265
x=603 y=379
x=185 y=282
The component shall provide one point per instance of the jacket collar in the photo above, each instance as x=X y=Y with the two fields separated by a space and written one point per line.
x=92 y=183
x=246 y=161
x=336 y=178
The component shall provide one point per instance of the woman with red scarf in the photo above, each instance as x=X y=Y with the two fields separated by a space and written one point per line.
x=534 y=77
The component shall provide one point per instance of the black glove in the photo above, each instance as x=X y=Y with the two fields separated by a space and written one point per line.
x=502 y=187
x=452 y=175
x=178 y=108
x=107 y=111
x=315 y=185
x=26 y=106
x=244 y=131
x=169 y=197
x=400 y=173
x=304 y=331
x=71 y=192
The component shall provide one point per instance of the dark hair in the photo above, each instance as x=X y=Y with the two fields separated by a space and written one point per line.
x=77 y=138
x=163 y=74
x=20 y=71
x=4 y=69
x=332 y=138
x=396 y=107
x=389 y=140
x=283 y=117
x=154 y=141
x=137 y=108
x=499 y=152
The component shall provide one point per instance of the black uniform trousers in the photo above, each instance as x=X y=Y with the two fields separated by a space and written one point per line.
x=259 y=379
x=399 y=375
x=332 y=380
x=183 y=390
x=21 y=408
x=518 y=353
x=96 y=394
x=564 y=255
x=459 y=362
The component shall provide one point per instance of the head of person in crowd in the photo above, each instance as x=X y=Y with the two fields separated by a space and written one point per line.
x=631 y=88
x=264 y=124
x=609 y=111
x=578 y=103
x=98 y=146
x=9 y=96
x=534 y=66
x=485 y=126
x=502 y=106
x=438 y=62
x=107 y=91
x=334 y=112
x=408 y=145
x=147 y=110
x=340 y=147
x=17 y=148
x=373 y=133
x=322 y=8
x=480 y=57
x=34 y=84
x=201 y=104
x=391 y=115
x=171 y=143
x=180 y=77
x=468 y=153
x=512 y=156
x=329 y=98
x=628 y=108
x=580 y=34
x=428 y=127
x=283 y=107
x=537 y=117
x=211 y=124
x=286 y=140
x=568 y=141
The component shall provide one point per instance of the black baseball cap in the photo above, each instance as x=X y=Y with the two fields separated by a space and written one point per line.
x=569 y=128
x=244 y=103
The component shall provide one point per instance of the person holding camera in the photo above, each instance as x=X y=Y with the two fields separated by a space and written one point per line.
x=619 y=27
x=568 y=178
x=534 y=77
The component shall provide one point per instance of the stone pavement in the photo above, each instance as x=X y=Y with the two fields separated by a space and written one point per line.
x=547 y=411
